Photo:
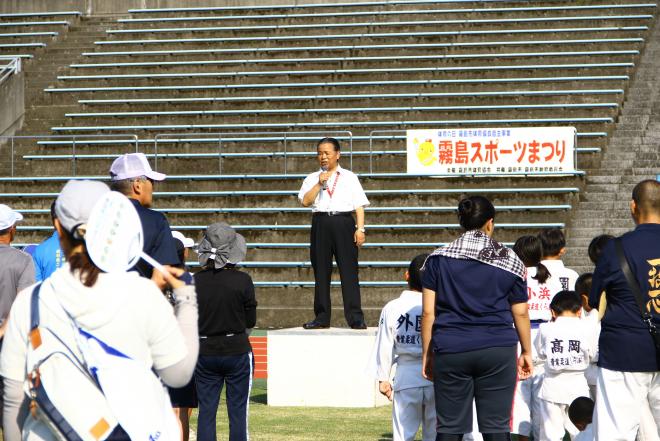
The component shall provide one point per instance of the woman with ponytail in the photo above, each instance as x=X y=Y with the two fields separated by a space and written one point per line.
x=474 y=315
x=126 y=312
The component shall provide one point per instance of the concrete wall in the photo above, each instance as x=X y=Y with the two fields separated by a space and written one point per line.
x=105 y=7
x=12 y=103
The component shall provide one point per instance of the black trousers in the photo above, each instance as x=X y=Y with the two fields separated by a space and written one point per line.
x=488 y=376
x=333 y=236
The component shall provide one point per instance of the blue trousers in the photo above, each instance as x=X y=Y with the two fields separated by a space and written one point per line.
x=211 y=374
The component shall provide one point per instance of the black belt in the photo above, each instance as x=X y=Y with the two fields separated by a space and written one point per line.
x=223 y=334
x=333 y=213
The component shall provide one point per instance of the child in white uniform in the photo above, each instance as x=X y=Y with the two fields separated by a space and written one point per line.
x=398 y=348
x=567 y=344
x=398 y=343
x=554 y=247
x=541 y=289
x=581 y=412
x=582 y=289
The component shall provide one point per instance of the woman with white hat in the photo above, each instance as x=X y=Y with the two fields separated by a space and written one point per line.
x=121 y=309
x=228 y=310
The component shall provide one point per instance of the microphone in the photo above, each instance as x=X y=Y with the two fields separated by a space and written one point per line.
x=324 y=185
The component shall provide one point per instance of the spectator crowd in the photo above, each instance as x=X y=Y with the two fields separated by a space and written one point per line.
x=485 y=342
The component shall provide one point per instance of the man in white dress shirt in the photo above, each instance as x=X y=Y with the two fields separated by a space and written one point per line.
x=334 y=193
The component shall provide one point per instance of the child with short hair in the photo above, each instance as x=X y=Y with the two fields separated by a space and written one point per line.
x=581 y=413
x=582 y=289
x=554 y=247
x=596 y=246
x=398 y=342
x=567 y=344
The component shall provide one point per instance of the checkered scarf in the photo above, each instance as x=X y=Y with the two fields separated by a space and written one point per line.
x=477 y=245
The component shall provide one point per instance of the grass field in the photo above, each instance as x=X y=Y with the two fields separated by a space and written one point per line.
x=307 y=423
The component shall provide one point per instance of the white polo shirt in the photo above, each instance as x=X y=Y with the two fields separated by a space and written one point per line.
x=344 y=192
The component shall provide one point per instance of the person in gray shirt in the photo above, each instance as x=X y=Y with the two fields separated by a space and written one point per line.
x=16 y=267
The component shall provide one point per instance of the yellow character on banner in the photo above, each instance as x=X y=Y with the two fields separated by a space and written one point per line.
x=425 y=152
x=654 y=282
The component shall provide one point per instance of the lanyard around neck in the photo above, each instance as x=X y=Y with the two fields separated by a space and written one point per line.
x=334 y=185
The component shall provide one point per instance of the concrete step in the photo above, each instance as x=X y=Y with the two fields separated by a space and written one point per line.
x=302 y=236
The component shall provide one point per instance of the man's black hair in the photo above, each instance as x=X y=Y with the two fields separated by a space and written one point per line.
x=415 y=272
x=646 y=195
x=565 y=301
x=333 y=141
x=553 y=241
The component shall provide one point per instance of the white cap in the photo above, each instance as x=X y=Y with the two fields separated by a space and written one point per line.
x=186 y=241
x=8 y=217
x=75 y=202
x=133 y=165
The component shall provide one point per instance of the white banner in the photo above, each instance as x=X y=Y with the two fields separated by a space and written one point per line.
x=494 y=151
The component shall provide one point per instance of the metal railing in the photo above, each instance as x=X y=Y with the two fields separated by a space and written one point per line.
x=284 y=137
x=12 y=67
x=75 y=141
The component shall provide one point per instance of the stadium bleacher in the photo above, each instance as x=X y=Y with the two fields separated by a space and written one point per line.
x=229 y=101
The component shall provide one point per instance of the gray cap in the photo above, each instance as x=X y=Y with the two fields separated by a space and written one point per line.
x=75 y=202
x=221 y=244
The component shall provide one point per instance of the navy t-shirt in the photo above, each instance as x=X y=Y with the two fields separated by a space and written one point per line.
x=472 y=304
x=625 y=343
x=158 y=240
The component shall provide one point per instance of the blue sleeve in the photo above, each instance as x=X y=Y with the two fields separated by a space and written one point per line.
x=430 y=274
x=165 y=249
x=38 y=274
x=602 y=274
x=518 y=292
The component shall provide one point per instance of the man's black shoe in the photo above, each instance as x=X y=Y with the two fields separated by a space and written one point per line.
x=359 y=325
x=315 y=325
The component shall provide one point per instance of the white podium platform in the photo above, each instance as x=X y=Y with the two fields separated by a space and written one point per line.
x=321 y=368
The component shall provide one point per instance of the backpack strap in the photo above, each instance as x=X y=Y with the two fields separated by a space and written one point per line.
x=35 y=336
x=633 y=284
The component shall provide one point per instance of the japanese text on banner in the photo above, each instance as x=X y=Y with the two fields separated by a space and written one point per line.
x=491 y=151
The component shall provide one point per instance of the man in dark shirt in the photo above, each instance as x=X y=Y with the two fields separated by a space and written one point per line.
x=629 y=377
x=132 y=176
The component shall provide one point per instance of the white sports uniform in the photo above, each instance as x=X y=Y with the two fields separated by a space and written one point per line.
x=591 y=373
x=629 y=391
x=398 y=349
x=526 y=404
x=586 y=435
x=399 y=344
x=567 y=345
x=559 y=273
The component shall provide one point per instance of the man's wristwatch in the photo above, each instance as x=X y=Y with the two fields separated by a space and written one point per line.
x=361 y=230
